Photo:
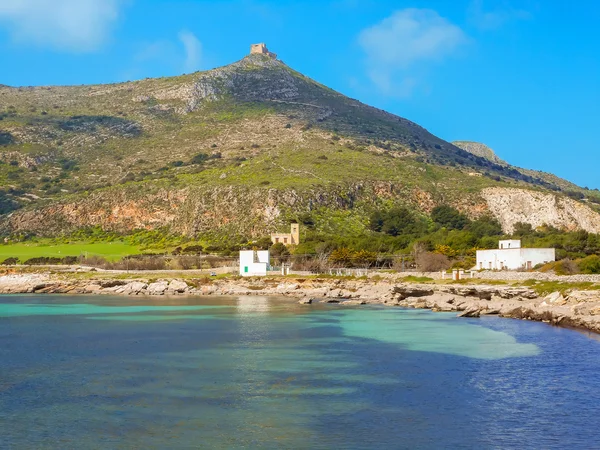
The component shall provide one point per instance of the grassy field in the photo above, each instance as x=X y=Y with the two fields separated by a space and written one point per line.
x=109 y=250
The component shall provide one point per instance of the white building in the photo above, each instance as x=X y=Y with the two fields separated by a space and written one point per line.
x=254 y=263
x=510 y=256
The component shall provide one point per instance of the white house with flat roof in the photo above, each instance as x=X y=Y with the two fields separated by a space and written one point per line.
x=254 y=263
x=510 y=256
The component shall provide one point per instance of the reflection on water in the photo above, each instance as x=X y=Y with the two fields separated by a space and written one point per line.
x=257 y=304
x=91 y=372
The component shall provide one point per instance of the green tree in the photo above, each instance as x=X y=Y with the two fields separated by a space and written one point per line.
x=485 y=226
x=449 y=217
x=341 y=257
x=279 y=250
x=521 y=229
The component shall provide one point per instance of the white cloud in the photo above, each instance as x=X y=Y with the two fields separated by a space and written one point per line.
x=71 y=25
x=489 y=19
x=405 y=41
x=193 y=51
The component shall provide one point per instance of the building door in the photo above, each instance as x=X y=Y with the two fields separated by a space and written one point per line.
x=529 y=265
x=245 y=269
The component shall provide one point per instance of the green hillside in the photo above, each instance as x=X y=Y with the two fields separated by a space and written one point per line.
x=236 y=151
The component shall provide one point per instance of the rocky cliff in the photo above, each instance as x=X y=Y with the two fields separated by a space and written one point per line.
x=511 y=206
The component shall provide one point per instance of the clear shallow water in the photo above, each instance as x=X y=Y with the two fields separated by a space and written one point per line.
x=100 y=372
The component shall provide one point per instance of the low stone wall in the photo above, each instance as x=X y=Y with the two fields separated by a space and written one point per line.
x=538 y=276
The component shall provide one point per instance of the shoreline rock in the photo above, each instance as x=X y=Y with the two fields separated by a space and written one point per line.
x=577 y=309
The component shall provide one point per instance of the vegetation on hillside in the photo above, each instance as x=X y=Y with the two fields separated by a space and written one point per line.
x=85 y=166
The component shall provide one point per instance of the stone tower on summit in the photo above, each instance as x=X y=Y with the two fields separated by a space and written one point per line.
x=261 y=49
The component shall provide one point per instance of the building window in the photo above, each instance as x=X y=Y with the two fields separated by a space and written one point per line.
x=285 y=240
x=277 y=240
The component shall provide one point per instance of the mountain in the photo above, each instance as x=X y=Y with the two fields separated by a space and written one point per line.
x=241 y=150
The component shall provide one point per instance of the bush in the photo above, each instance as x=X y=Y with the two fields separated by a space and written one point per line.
x=279 y=250
x=590 y=264
x=10 y=261
x=431 y=262
x=566 y=267
x=43 y=260
x=193 y=249
x=200 y=158
x=523 y=229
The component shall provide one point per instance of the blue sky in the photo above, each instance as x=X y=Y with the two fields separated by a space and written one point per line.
x=519 y=75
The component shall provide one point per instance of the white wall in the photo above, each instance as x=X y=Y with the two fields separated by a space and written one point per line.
x=513 y=258
x=254 y=264
x=509 y=243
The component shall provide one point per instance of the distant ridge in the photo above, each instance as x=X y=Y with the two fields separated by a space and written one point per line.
x=481 y=150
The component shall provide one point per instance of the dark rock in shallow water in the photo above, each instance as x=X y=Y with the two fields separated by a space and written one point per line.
x=473 y=311
x=412 y=291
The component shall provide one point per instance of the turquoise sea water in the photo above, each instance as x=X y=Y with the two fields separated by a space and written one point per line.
x=255 y=372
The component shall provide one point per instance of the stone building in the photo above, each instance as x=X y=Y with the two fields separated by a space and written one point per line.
x=261 y=49
x=291 y=238
x=510 y=256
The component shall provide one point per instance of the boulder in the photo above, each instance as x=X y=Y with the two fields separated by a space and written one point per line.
x=92 y=288
x=157 y=288
x=287 y=287
x=412 y=291
x=472 y=311
x=353 y=302
x=112 y=283
x=556 y=298
x=132 y=288
x=305 y=301
x=178 y=286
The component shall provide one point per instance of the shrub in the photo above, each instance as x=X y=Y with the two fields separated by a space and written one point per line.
x=279 y=250
x=590 y=264
x=566 y=267
x=43 y=260
x=341 y=257
x=6 y=138
x=193 y=249
x=523 y=229
x=10 y=261
x=432 y=262
x=200 y=158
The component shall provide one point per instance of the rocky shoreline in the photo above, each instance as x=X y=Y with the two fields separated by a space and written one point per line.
x=577 y=309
